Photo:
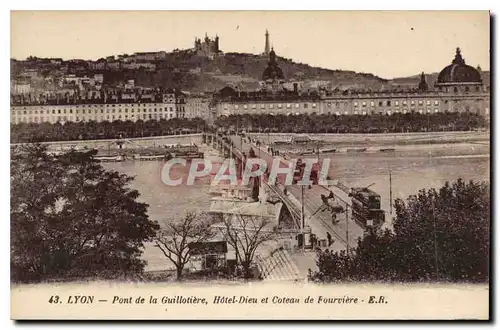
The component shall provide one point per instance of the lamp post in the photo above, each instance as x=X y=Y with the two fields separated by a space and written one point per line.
x=302 y=211
x=347 y=227
x=390 y=192
x=435 y=243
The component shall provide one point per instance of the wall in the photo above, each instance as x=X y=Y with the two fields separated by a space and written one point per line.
x=433 y=102
x=380 y=138
x=129 y=143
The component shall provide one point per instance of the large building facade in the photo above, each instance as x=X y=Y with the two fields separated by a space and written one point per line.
x=168 y=104
x=458 y=89
x=197 y=106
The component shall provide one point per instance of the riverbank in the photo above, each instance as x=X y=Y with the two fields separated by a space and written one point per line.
x=132 y=143
x=341 y=139
x=382 y=139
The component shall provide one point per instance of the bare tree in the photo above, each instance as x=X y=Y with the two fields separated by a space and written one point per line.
x=175 y=238
x=245 y=233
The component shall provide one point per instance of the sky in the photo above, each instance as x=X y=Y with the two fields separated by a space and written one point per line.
x=387 y=44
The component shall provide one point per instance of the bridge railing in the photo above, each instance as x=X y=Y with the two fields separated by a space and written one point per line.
x=294 y=211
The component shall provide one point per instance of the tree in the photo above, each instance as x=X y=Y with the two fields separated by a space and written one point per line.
x=333 y=266
x=72 y=218
x=369 y=123
x=246 y=233
x=174 y=240
x=445 y=233
x=31 y=132
x=438 y=236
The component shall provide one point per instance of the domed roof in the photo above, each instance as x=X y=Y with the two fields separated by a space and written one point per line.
x=273 y=71
x=458 y=72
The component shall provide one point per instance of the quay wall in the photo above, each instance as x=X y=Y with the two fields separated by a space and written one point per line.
x=381 y=138
x=155 y=141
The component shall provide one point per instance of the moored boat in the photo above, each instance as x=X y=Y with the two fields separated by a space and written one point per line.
x=356 y=150
x=117 y=158
x=307 y=153
x=192 y=155
x=149 y=157
x=327 y=150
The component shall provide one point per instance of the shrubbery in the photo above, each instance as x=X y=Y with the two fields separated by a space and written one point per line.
x=439 y=235
x=92 y=130
x=396 y=123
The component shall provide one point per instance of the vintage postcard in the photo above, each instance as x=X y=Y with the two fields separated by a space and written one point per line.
x=250 y=165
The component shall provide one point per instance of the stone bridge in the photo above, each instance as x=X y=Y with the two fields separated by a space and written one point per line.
x=228 y=148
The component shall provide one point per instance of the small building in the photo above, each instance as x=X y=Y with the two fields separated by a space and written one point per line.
x=208 y=255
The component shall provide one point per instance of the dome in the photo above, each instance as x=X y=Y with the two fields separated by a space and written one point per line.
x=458 y=72
x=273 y=71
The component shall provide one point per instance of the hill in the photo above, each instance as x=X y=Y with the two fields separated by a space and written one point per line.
x=188 y=71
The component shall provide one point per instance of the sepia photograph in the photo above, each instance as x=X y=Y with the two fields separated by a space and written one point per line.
x=314 y=165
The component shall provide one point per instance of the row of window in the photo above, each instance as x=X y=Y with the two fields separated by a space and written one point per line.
x=337 y=104
x=134 y=105
x=389 y=112
x=428 y=103
x=36 y=119
x=64 y=111
x=455 y=89
x=390 y=103
x=271 y=106
x=386 y=112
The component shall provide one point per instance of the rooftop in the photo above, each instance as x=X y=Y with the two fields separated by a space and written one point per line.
x=201 y=248
x=458 y=72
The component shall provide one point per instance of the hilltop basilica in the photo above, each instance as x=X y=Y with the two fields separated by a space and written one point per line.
x=209 y=47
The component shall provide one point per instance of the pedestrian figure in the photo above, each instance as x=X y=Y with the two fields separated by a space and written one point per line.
x=334 y=219
x=329 y=238
x=313 y=240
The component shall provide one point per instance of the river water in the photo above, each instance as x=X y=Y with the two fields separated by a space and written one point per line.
x=412 y=168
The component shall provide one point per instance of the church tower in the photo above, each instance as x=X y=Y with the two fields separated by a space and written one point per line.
x=422 y=86
x=266 y=48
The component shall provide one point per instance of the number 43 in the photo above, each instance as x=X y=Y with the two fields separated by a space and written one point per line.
x=54 y=299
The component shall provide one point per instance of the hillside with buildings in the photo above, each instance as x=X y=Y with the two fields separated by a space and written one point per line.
x=162 y=86
x=205 y=82
x=202 y=68
x=186 y=70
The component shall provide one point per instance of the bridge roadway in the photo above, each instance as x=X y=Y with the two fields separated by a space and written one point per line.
x=346 y=231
